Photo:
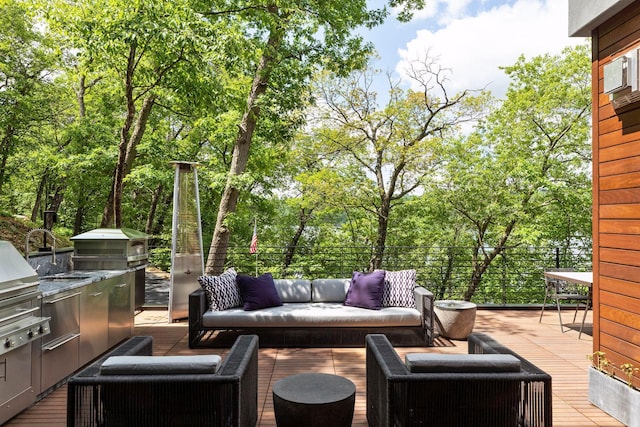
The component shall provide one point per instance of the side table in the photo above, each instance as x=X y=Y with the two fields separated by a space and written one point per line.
x=455 y=319
x=314 y=400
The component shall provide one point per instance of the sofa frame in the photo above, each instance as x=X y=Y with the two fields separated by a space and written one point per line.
x=227 y=398
x=398 y=397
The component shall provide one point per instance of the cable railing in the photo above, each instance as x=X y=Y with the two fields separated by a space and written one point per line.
x=515 y=277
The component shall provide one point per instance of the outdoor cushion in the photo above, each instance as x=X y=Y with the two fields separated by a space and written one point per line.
x=366 y=290
x=222 y=291
x=298 y=290
x=398 y=289
x=329 y=290
x=258 y=292
x=160 y=365
x=457 y=363
x=310 y=315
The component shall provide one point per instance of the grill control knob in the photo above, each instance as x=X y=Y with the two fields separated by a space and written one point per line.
x=7 y=343
x=30 y=333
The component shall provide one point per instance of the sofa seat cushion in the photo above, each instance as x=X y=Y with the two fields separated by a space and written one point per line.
x=312 y=315
x=160 y=365
x=461 y=363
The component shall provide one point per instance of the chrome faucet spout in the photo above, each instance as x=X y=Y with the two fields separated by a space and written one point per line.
x=53 y=243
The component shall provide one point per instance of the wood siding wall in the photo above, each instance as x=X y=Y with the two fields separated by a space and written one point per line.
x=616 y=201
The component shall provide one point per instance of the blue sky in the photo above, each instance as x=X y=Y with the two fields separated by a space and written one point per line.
x=473 y=38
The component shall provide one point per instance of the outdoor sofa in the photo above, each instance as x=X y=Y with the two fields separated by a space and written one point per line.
x=311 y=313
x=490 y=386
x=128 y=386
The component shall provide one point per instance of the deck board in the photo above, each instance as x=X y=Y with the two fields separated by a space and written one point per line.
x=562 y=355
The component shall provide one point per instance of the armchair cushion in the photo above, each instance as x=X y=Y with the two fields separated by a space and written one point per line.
x=458 y=363
x=160 y=365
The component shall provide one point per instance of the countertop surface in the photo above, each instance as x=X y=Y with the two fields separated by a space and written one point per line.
x=54 y=284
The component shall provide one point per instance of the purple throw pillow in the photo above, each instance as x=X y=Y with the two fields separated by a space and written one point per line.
x=258 y=292
x=366 y=290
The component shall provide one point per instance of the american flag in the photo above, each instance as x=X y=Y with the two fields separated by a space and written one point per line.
x=253 y=248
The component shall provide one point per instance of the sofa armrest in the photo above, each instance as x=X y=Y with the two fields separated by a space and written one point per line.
x=198 y=305
x=424 y=303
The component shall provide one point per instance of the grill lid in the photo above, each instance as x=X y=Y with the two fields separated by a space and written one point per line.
x=111 y=234
x=14 y=269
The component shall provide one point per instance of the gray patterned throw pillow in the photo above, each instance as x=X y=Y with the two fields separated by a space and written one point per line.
x=398 y=289
x=222 y=291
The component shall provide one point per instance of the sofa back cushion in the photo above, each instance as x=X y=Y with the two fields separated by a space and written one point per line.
x=461 y=363
x=293 y=290
x=160 y=365
x=329 y=290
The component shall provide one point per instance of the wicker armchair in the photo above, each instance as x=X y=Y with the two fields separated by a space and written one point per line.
x=398 y=397
x=227 y=397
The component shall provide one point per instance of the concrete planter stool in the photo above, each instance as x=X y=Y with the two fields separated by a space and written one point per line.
x=455 y=319
x=314 y=400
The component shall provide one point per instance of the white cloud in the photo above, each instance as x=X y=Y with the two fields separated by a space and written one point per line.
x=473 y=47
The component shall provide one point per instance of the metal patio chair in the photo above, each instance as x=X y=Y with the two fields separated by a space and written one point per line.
x=561 y=290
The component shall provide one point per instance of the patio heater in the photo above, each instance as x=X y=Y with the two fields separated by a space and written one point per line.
x=187 y=261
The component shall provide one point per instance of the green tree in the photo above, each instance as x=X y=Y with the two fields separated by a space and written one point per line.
x=151 y=50
x=385 y=154
x=291 y=41
x=528 y=158
x=26 y=69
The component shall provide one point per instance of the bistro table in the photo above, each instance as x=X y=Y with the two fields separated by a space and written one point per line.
x=579 y=277
x=584 y=278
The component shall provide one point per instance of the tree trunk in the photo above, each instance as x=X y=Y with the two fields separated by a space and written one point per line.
x=39 y=195
x=240 y=157
x=293 y=244
x=126 y=156
x=5 y=151
x=152 y=209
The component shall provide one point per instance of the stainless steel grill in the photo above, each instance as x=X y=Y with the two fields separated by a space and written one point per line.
x=21 y=328
x=110 y=249
x=114 y=249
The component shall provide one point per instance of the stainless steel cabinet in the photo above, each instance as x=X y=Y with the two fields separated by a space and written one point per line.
x=60 y=347
x=85 y=322
x=94 y=320
x=121 y=296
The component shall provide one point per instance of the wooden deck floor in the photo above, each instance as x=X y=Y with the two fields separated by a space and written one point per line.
x=562 y=355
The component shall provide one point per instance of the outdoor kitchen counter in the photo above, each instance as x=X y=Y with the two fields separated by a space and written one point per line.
x=61 y=282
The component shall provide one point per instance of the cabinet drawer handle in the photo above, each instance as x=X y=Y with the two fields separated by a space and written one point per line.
x=21 y=313
x=53 y=347
x=96 y=294
x=53 y=301
x=122 y=285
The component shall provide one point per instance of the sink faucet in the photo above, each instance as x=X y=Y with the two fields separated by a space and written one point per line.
x=53 y=243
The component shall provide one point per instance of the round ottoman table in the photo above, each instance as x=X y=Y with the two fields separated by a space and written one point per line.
x=455 y=319
x=314 y=400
